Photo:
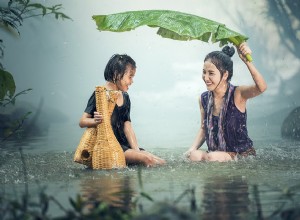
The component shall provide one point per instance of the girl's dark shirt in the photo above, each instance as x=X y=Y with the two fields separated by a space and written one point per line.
x=235 y=126
x=118 y=117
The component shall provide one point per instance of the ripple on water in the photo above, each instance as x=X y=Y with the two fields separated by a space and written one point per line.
x=274 y=170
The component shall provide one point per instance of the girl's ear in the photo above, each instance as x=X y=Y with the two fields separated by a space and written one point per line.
x=225 y=75
x=116 y=77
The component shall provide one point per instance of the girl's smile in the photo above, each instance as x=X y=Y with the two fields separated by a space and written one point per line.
x=213 y=78
x=126 y=81
x=211 y=75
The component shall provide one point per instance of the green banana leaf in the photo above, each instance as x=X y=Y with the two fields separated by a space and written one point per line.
x=171 y=24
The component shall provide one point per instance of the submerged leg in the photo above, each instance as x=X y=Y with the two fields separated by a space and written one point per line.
x=158 y=160
x=142 y=157
x=219 y=156
x=198 y=155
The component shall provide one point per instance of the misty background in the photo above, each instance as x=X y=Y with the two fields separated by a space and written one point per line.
x=63 y=61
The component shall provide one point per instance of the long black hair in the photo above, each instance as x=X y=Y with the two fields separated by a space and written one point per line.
x=116 y=67
x=222 y=60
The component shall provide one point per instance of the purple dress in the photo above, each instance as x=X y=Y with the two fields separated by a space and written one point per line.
x=235 y=126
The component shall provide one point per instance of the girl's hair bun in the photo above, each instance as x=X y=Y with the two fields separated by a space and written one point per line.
x=228 y=50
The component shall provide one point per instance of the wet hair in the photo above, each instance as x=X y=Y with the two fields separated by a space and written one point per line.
x=222 y=60
x=116 y=67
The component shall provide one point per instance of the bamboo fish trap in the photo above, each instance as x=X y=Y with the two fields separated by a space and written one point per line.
x=83 y=153
x=98 y=147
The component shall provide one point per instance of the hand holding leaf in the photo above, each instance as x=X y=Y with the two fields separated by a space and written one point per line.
x=244 y=52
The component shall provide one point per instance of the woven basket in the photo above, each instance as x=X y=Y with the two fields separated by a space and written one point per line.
x=107 y=152
x=84 y=151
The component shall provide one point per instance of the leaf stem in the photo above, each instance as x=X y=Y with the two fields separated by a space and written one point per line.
x=237 y=43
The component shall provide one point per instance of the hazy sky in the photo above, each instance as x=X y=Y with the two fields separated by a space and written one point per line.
x=64 y=60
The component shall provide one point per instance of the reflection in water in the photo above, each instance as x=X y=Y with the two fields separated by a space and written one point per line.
x=275 y=169
x=114 y=189
x=225 y=198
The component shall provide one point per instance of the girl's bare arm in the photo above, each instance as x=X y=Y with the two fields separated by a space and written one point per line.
x=259 y=86
x=130 y=135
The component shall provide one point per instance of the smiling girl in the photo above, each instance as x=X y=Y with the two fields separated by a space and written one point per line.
x=119 y=73
x=223 y=108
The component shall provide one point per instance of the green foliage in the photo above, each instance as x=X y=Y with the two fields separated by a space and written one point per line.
x=171 y=24
x=29 y=208
x=80 y=210
x=7 y=85
x=16 y=128
x=11 y=17
x=17 y=10
x=49 y=10
x=12 y=100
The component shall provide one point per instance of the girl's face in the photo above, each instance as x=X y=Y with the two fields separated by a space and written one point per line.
x=127 y=79
x=211 y=75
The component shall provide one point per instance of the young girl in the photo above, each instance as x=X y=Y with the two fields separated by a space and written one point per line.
x=119 y=73
x=223 y=108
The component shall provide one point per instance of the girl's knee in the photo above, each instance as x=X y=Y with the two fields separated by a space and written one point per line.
x=197 y=155
x=212 y=157
x=193 y=156
x=144 y=158
x=219 y=156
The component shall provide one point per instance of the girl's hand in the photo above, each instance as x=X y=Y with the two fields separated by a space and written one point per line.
x=188 y=153
x=98 y=118
x=243 y=50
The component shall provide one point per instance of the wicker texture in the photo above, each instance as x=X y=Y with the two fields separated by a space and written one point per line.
x=107 y=152
x=98 y=147
x=83 y=153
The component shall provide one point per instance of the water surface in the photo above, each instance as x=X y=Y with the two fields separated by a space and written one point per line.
x=249 y=187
